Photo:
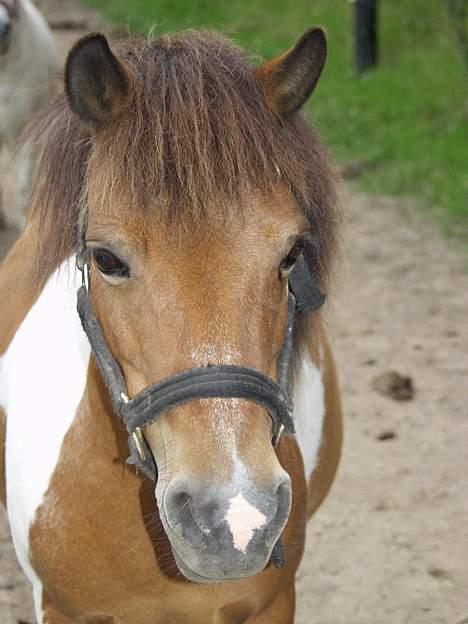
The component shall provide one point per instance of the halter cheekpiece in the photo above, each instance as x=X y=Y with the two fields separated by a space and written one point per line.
x=217 y=381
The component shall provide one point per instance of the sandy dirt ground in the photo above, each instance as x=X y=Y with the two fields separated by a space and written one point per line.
x=390 y=544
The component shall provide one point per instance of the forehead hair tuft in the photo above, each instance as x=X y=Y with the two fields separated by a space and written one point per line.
x=195 y=138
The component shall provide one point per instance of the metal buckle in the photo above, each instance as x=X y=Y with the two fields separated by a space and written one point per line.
x=85 y=276
x=277 y=437
x=137 y=436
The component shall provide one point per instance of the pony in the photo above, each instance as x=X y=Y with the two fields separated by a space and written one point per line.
x=29 y=68
x=181 y=177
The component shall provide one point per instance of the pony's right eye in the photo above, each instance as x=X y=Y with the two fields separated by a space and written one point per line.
x=109 y=265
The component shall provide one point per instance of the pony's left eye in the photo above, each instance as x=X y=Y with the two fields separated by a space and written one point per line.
x=108 y=263
x=290 y=260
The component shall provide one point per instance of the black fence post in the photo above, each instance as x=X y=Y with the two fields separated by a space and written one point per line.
x=458 y=10
x=366 y=34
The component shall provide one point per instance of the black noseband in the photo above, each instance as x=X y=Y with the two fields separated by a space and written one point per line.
x=210 y=382
x=218 y=381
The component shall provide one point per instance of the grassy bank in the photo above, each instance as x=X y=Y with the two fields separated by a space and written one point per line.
x=408 y=119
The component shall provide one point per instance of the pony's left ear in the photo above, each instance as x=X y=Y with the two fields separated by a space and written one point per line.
x=96 y=82
x=289 y=79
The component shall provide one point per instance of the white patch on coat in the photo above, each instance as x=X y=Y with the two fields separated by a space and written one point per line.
x=309 y=411
x=242 y=519
x=42 y=379
x=38 y=600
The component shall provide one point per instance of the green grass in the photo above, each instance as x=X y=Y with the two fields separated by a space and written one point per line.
x=408 y=118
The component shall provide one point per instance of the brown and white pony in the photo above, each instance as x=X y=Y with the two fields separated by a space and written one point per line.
x=200 y=180
x=29 y=69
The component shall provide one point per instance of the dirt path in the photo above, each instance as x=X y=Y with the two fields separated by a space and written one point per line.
x=390 y=545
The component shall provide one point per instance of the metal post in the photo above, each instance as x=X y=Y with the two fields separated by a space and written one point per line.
x=366 y=34
x=458 y=10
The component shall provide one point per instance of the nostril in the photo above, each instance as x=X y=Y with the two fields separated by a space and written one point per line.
x=190 y=514
x=176 y=505
x=179 y=515
x=284 y=490
x=284 y=496
x=180 y=500
x=205 y=516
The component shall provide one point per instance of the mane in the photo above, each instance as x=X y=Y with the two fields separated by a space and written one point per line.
x=194 y=140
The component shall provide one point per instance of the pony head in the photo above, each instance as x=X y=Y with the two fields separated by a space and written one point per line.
x=201 y=184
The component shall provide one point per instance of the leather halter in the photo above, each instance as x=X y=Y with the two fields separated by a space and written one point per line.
x=217 y=381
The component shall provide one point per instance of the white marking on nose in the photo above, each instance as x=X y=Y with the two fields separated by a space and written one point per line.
x=243 y=518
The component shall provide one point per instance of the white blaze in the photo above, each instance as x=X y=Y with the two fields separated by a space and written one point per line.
x=243 y=518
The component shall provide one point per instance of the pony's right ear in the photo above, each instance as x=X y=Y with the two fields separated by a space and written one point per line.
x=96 y=82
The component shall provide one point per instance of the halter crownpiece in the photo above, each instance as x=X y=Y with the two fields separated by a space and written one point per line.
x=217 y=381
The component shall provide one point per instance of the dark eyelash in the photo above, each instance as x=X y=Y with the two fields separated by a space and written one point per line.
x=290 y=260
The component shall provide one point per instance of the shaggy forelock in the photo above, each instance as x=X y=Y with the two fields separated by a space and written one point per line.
x=194 y=139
